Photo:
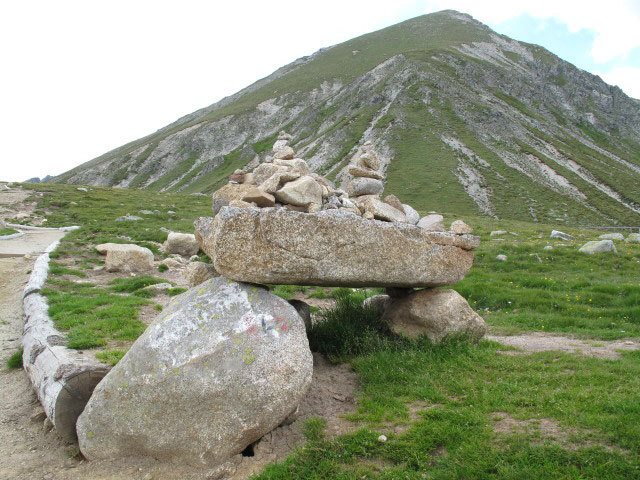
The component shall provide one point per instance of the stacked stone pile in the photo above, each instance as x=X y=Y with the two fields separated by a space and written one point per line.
x=286 y=181
x=228 y=361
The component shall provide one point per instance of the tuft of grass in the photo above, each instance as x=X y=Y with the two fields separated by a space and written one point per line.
x=350 y=329
x=133 y=284
x=162 y=268
x=7 y=231
x=110 y=356
x=172 y=292
x=15 y=360
x=287 y=291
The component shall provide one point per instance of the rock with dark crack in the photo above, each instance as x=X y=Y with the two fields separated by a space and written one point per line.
x=224 y=364
x=331 y=248
x=436 y=313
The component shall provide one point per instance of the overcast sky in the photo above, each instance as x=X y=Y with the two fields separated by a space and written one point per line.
x=80 y=78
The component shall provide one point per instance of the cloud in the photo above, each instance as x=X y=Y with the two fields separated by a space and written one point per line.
x=627 y=78
x=614 y=24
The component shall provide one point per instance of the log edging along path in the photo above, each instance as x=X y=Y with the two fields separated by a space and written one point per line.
x=63 y=379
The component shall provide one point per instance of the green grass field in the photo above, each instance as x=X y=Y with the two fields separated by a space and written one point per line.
x=572 y=416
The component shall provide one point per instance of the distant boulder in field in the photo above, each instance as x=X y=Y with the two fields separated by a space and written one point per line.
x=598 y=246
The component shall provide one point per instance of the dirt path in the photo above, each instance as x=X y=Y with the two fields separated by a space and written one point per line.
x=544 y=342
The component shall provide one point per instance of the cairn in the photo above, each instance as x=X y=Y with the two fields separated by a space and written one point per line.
x=286 y=181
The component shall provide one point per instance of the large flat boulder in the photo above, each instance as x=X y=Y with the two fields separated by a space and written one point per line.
x=332 y=248
x=224 y=364
x=434 y=313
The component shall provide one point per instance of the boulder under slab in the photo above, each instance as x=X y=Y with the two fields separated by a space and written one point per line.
x=224 y=364
x=331 y=248
x=435 y=313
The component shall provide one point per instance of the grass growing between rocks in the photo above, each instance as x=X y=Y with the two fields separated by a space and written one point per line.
x=7 y=231
x=460 y=410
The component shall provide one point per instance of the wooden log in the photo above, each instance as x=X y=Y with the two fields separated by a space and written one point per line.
x=63 y=379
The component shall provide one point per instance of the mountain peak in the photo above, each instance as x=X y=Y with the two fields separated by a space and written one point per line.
x=467 y=121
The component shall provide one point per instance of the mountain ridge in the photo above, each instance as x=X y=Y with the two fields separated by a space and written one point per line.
x=464 y=119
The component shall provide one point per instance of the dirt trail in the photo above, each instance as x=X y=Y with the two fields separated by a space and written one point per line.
x=544 y=342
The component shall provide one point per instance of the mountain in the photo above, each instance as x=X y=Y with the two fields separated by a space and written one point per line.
x=466 y=121
x=39 y=180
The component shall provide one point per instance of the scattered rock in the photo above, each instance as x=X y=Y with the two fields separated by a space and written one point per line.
x=304 y=311
x=460 y=228
x=413 y=217
x=618 y=237
x=129 y=218
x=265 y=170
x=242 y=204
x=501 y=257
x=560 y=235
x=82 y=189
x=364 y=186
x=260 y=198
x=377 y=301
x=285 y=153
x=633 y=238
x=394 y=202
x=359 y=171
x=382 y=438
x=598 y=246
x=126 y=257
x=158 y=287
x=230 y=191
x=197 y=272
x=435 y=313
x=274 y=246
x=224 y=364
x=432 y=223
x=379 y=209
x=496 y=233
x=301 y=192
x=296 y=165
x=548 y=247
x=184 y=244
x=369 y=159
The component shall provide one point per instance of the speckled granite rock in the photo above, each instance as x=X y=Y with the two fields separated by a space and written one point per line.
x=223 y=365
x=435 y=313
x=332 y=247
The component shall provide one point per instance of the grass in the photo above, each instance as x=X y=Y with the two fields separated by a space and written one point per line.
x=102 y=315
x=110 y=357
x=15 y=360
x=7 y=231
x=91 y=315
x=447 y=398
x=462 y=389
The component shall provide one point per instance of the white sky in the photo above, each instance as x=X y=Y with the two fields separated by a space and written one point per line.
x=82 y=77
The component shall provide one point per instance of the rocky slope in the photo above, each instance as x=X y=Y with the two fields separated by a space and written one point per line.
x=465 y=120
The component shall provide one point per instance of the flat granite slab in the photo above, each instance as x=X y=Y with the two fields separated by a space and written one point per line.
x=331 y=248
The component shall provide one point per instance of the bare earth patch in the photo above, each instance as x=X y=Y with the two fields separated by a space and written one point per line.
x=548 y=430
x=544 y=342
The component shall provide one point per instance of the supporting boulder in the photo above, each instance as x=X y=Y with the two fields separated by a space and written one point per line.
x=224 y=364
x=436 y=313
